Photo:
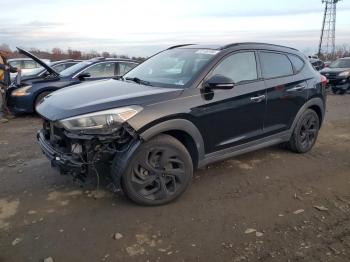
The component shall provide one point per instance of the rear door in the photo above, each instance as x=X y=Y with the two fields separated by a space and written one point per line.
x=286 y=89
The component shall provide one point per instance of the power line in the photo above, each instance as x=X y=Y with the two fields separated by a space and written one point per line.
x=326 y=46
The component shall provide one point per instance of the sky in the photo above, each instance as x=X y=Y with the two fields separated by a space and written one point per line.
x=143 y=27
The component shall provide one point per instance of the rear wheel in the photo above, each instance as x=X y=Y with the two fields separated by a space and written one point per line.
x=305 y=132
x=39 y=98
x=159 y=172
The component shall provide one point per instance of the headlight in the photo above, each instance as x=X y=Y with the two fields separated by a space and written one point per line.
x=103 y=122
x=346 y=73
x=22 y=91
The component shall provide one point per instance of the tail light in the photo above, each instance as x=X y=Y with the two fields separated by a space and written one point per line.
x=324 y=81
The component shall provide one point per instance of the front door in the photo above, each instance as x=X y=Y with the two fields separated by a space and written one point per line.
x=232 y=117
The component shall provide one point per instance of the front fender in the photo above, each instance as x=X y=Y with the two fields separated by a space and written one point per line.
x=179 y=125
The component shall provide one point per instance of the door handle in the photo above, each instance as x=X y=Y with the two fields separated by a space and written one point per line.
x=297 y=88
x=257 y=99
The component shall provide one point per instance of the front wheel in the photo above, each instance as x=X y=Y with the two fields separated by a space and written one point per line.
x=159 y=172
x=305 y=132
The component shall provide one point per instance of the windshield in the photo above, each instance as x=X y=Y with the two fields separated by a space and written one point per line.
x=172 y=68
x=340 y=63
x=73 y=69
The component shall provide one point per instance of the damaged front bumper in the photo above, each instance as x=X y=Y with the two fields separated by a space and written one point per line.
x=64 y=162
x=80 y=154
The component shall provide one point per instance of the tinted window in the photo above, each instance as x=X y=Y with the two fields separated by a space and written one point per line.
x=275 y=65
x=101 y=70
x=125 y=67
x=239 y=67
x=297 y=62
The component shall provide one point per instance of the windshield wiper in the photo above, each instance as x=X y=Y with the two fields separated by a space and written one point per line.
x=139 y=81
x=118 y=78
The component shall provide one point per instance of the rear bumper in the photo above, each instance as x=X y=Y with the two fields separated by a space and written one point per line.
x=66 y=163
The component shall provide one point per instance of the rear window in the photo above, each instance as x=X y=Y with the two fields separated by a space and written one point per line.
x=297 y=62
x=275 y=65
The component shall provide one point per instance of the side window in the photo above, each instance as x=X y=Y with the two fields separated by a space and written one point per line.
x=16 y=64
x=239 y=67
x=101 y=70
x=125 y=67
x=275 y=65
x=29 y=64
x=297 y=62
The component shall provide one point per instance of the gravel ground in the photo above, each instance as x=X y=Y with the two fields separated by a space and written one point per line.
x=269 y=205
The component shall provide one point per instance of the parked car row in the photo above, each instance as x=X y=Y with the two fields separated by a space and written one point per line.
x=24 y=95
x=42 y=72
x=338 y=75
x=26 y=65
x=181 y=109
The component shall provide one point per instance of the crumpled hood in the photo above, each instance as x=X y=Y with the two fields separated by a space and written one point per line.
x=100 y=95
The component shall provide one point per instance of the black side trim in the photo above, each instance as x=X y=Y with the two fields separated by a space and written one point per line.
x=245 y=148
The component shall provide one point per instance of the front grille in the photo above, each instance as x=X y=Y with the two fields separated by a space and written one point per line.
x=331 y=75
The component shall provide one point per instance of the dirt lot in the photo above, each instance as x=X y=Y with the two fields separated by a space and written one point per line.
x=270 y=205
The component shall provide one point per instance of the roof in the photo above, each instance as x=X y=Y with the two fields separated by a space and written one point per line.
x=227 y=46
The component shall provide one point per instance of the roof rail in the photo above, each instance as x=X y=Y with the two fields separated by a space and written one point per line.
x=176 y=46
x=98 y=58
x=255 y=43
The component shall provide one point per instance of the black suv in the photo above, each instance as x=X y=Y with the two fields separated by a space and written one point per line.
x=181 y=109
x=338 y=75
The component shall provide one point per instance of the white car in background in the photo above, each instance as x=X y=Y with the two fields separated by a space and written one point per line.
x=25 y=64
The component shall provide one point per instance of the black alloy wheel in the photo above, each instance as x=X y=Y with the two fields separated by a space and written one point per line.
x=305 y=132
x=160 y=171
x=308 y=131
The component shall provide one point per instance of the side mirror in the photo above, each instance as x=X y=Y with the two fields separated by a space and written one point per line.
x=82 y=76
x=219 y=82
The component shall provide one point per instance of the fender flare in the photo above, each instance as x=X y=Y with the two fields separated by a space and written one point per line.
x=316 y=101
x=180 y=125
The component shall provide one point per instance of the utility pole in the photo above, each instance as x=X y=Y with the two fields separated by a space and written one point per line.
x=326 y=46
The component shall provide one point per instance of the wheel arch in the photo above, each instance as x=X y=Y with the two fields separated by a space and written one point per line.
x=38 y=93
x=184 y=131
x=315 y=104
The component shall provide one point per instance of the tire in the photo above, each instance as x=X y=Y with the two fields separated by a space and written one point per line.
x=335 y=91
x=159 y=172
x=305 y=132
x=39 y=98
x=342 y=92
